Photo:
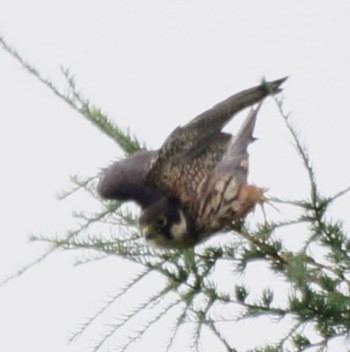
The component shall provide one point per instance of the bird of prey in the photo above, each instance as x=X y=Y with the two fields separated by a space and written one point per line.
x=195 y=184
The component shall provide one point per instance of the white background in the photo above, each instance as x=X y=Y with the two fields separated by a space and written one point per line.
x=151 y=65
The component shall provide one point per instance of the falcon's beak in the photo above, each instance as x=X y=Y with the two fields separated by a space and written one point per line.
x=147 y=231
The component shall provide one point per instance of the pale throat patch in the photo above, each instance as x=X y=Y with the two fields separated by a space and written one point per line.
x=179 y=229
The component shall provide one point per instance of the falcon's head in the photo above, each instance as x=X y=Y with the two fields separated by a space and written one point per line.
x=164 y=225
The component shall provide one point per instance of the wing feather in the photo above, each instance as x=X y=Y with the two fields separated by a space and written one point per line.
x=190 y=153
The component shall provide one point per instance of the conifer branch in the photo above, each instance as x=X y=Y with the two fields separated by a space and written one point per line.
x=301 y=149
x=19 y=272
x=121 y=292
x=317 y=274
x=78 y=102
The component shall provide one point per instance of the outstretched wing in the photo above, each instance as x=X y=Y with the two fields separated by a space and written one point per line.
x=192 y=151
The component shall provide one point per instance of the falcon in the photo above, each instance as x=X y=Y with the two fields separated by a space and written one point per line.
x=195 y=184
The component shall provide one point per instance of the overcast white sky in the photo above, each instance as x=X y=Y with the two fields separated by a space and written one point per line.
x=152 y=65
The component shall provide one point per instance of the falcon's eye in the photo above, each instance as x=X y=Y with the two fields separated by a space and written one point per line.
x=161 y=221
